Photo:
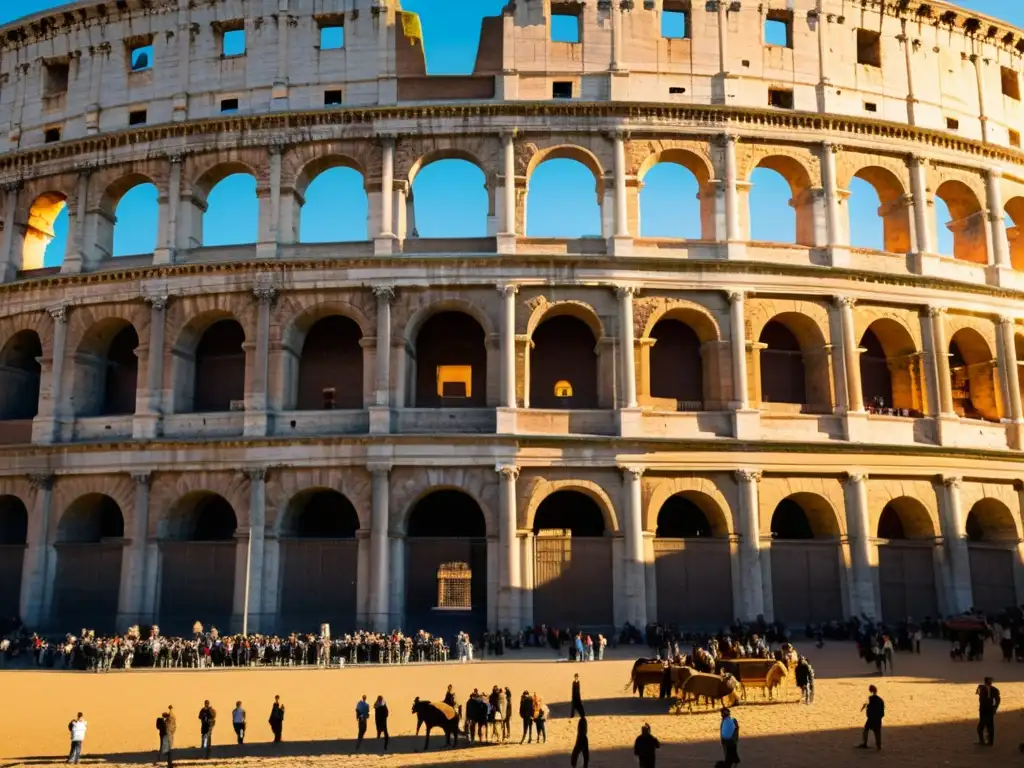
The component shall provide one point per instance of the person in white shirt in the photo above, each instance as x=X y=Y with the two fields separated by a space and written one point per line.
x=77 y=729
x=730 y=733
x=238 y=721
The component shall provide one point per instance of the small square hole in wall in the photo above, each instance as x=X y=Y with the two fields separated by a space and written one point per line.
x=332 y=98
x=952 y=124
x=51 y=135
x=233 y=42
x=869 y=48
x=140 y=59
x=746 y=63
x=137 y=117
x=332 y=38
x=1011 y=83
x=228 y=106
x=561 y=89
x=56 y=78
x=1014 y=138
x=870 y=106
x=780 y=97
x=778 y=28
x=675 y=90
x=675 y=23
x=565 y=23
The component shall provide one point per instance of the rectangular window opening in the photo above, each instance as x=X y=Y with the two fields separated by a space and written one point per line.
x=870 y=106
x=561 y=89
x=228 y=105
x=233 y=42
x=675 y=23
x=332 y=98
x=57 y=74
x=51 y=135
x=332 y=37
x=455 y=381
x=778 y=28
x=565 y=23
x=952 y=123
x=1011 y=83
x=140 y=58
x=869 y=48
x=675 y=90
x=137 y=117
x=780 y=97
x=1014 y=138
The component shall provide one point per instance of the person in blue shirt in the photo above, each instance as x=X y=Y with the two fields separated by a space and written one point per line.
x=362 y=715
x=730 y=733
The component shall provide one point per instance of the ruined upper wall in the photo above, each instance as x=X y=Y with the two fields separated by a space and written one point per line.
x=933 y=65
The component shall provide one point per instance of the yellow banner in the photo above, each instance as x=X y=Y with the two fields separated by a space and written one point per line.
x=411 y=25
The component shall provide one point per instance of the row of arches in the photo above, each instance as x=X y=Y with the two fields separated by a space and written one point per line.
x=316 y=570
x=450 y=195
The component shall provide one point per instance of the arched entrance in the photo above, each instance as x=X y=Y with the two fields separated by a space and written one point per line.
x=318 y=562
x=446 y=564
x=806 y=585
x=563 y=364
x=219 y=372
x=783 y=377
x=991 y=545
x=450 y=363
x=197 y=551
x=106 y=370
x=19 y=376
x=906 y=561
x=330 y=367
x=573 y=564
x=13 y=537
x=90 y=540
x=691 y=557
x=676 y=366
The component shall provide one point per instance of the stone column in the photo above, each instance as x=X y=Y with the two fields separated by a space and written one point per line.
x=621 y=241
x=527 y=563
x=167 y=240
x=510 y=584
x=861 y=582
x=636 y=598
x=508 y=344
x=751 y=580
x=133 y=560
x=616 y=24
x=46 y=427
x=270 y=208
x=506 y=240
x=10 y=260
x=738 y=331
x=1000 y=245
x=626 y=343
x=38 y=553
x=149 y=399
x=256 y=412
x=919 y=189
x=397 y=577
x=1011 y=379
x=380 y=411
x=76 y=253
x=958 y=580
x=851 y=354
x=940 y=350
x=380 y=568
x=384 y=239
x=732 y=203
x=829 y=180
x=249 y=594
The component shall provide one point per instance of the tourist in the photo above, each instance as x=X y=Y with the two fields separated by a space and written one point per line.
x=540 y=716
x=577 y=699
x=526 y=713
x=582 y=745
x=875 y=709
x=207 y=719
x=277 y=719
x=665 y=690
x=805 y=680
x=645 y=747
x=362 y=715
x=172 y=729
x=988 y=705
x=77 y=730
x=729 y=732
x=508 y=713
x=602 y=643
x=165 y=742
x=238 y=721
x=380 y=719
x=502 y=712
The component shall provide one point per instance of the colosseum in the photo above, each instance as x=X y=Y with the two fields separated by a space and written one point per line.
x=510 y=430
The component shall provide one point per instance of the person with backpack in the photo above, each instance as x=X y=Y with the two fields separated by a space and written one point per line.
x=207 y=719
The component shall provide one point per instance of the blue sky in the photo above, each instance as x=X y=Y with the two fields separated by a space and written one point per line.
x=450 y=198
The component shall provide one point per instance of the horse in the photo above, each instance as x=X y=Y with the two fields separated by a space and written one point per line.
x=650 y=671
x=436 y=715
x=711 y=688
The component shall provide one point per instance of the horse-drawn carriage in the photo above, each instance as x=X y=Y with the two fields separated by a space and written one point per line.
x=767 y=674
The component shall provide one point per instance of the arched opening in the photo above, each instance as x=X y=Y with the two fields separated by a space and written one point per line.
x=319 y=554
x=867 y=228
x=197 y=550
x=446 y=564
x=563 y=354
x=335 y=207
x=805 y=560
x=1018 y=345
x=692 y=563
x=992 y=546
x=106 y=370
x=552 y=184
x=46 y=232
x=661 y=215
x=780 y=205
x=676 y=366
x=13 y=538
x=906 y=568
x=19 y=376
x=1014 y=235
x=890 y=370
x=136 y=221
x=450 y=363
x=783 y=374
x=573 y=563
x=876 y=379
x=879 y=215
x=232 y=211
x=449 y=199
x=330 y=369
x=219 y=368
x=959 y=214
x=89 y=543
x=972 y=370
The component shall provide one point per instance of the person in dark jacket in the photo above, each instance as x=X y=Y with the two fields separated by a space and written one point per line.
x=577 y=699
x=646 y=747
x=165 y=738
x=207 y=719
x=988 y=705
x=875 y=709
x=582 y=746
x=277 y=719
x=380 y=719
x=526 y=713
x=805 y=680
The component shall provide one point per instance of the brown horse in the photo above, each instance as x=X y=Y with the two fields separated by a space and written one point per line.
x=711 y=688
x=649 y=672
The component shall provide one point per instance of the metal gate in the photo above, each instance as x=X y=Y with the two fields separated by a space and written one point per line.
x=992 y=577
x=12 y=557
x=197 y=583
x=87 y=586
x=424 y=558
x=906 y=576
x=573 y=582
x=318 y=584
x=694 y=578
x=805 y=582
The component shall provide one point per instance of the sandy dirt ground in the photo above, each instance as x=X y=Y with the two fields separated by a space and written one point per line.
x=930 y=704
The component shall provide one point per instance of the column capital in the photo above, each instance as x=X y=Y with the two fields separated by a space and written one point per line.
x=507 y=471
x=41 y=481
x=142 y=479
x=622 y=291
x=176 y=157
x=995 y=172
x=855 y=478
x=378 y=467
x=735 y=296
x=831 y=146
x=919 y=161
x=387 y=139
x=507 y=290
x=60 y=312
x=953 y=483
x=632 y=473
x=277 y=145
x=11 y=185
x=158 y=302
x=384 y=293
x=264 y=294
x=86 y=167
x=724 y=140
x=844 y=302
x=617 y=134
x=256 y=474
x=508 y=134
x=1007 y=320
x=935 y=310
x=748 y=475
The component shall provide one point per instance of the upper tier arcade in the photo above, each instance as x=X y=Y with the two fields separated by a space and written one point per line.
x=97 y=67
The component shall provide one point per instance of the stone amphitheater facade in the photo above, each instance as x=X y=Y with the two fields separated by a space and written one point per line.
x=603 y=429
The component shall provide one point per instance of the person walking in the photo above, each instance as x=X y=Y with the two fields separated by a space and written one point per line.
x=380 y=719
x=577 y=699
x=77 y=730
x=805 y=680
x=526 y=713
x=646 y=748
x=875 y=709
x=730 y=735
x=582 y=746
x=362 y=715
x=277 y=719
x=540 y=716
x=165 y=744
x=172 y=729
x=988 y=705
x=238 y=721
x=207 y=719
